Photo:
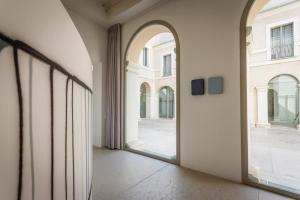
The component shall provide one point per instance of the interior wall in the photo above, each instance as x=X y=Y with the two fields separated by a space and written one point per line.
x=210 y=133
x=95 y=38
x=46 y=25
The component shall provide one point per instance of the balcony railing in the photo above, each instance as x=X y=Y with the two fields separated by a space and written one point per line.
x=282 y=51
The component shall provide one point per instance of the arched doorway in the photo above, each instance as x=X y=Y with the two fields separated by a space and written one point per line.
x=152 y=57
x=145 y=101
x=166 y=103
x=284 y=100
x=270 y=102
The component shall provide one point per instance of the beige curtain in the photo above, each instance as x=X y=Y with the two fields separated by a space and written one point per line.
x=113 y=136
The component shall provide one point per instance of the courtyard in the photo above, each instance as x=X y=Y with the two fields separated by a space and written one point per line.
x=158 y=136
x=274 y=157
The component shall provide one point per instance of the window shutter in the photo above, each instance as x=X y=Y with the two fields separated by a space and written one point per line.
x=282 y=41
x=167 y=68
x=276 y=42
x=287 y=40
x=145 y=56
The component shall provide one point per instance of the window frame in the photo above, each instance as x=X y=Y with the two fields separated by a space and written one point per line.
x=243 y=99
x=295 y=23
x=145 y=56
x=169 y=93
x=163 y=63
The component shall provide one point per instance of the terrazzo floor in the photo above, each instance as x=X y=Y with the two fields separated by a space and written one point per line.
x=121 y=175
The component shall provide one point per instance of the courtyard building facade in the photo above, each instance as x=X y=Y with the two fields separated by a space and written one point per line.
x=273 y=74
x=157 y=78
x=273 y=66
x=151 y=96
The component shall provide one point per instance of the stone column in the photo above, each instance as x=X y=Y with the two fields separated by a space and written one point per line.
x=175 y=105
x=252 y=106
x=132 y=104
x=153 y=102
x=155 y=105
x=262 y=106
x=298 y=125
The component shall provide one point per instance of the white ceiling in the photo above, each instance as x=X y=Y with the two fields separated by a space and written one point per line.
x=109 y=12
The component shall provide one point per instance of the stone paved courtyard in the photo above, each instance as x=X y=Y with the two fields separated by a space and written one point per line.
x=275 y=156
x=158 y=136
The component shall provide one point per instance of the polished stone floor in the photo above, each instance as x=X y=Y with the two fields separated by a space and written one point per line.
x=275 y=156
x=121 y=175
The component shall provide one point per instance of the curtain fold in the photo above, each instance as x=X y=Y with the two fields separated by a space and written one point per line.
x=113 y=135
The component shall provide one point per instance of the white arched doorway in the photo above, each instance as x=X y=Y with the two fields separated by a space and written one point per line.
x=152 y=61
x=270 y=72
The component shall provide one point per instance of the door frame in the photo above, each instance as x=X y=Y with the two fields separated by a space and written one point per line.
x=124 y=64
x=244 y=119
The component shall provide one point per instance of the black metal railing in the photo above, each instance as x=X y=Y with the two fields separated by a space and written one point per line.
x=53 y=67
x=282 y=51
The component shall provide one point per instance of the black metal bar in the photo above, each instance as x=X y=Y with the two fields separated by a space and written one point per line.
x=73 y=139
x=18 y=45
x=86 y=142
x=6 y=39
x=25 y=47
x=90 y=193
x=66 y=141
x=20 y=98
x=52 y=132
x=89 y=114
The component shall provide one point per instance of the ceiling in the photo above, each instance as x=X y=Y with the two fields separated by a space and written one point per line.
x=109 y=12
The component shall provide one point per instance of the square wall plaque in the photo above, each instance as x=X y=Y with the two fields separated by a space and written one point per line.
x=198 y=87
x=215 y=85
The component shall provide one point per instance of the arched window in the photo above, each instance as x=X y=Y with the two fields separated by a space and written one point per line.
x=283 y=100
x=166 y=103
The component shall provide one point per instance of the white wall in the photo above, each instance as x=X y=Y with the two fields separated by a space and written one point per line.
x=209 y=38
x=260 y=47
x=46 y=26
x=95 y=38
